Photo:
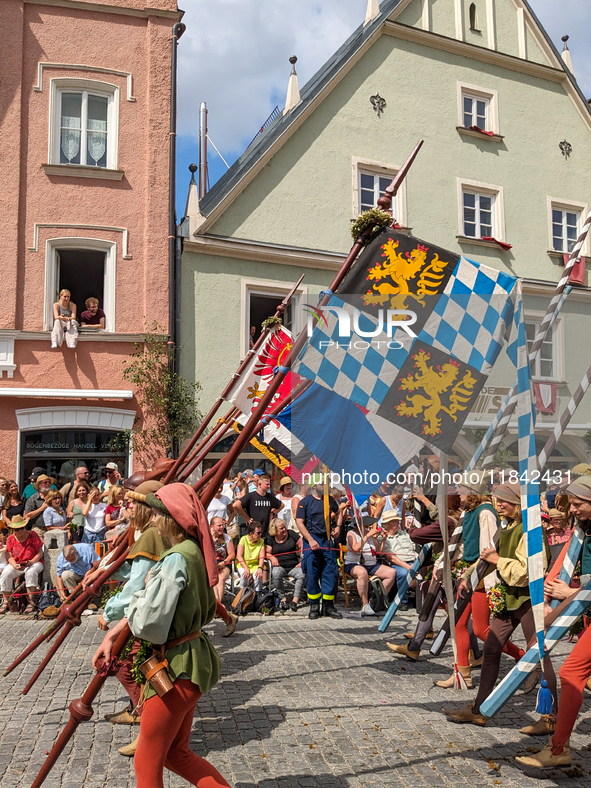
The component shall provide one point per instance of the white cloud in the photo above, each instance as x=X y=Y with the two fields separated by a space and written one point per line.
x=234 y=55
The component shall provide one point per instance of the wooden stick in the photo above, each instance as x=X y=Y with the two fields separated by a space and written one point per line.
x=207 y=445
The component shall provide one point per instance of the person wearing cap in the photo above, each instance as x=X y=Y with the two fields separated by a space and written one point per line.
x=558 y=530
x=480 y=526
x=509 y=561
x=576 y=671
x=36 y=504
x=24 y=551
x=177 y=603
x=286 y=497
x=361 y=561
x=112 y=475
x=319 y=561
x=30 y=488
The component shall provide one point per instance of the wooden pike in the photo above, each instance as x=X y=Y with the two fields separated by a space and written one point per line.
x=207 y=445
x=174 y=471
x=384 y=202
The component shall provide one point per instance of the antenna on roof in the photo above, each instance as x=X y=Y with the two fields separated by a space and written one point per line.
x=373 y=9
x=293 y=88
x=566 y=55
x=202 y=150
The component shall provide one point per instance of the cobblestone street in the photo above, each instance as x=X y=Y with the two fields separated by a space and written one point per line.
x=300 y=703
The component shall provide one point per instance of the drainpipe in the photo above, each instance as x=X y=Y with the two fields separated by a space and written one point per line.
x=173 y=242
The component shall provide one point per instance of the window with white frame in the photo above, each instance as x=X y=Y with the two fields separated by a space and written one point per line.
x=545 y=364
x=476 y=110
x=85 y=267
x=84 y=123
x=565 y=228
x=479 y=214
x=372 y=186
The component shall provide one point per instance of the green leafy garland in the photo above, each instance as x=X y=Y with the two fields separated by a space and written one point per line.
x=373 y=220
x=109 y=593
x=271 y=322
x=458 y=569
x=145 y=652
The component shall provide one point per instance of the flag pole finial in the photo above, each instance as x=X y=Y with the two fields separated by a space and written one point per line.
x=566 y=54
x=293 y=88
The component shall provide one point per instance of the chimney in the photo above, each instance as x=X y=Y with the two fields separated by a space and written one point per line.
x=566 y=55
x=293 y=89
x=373 y=9
x=202 y=150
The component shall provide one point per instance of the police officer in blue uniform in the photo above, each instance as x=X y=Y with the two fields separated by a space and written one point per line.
x=319 y=561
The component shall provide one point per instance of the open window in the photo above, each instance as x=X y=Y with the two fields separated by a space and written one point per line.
x=260 y=300
x=85 y=267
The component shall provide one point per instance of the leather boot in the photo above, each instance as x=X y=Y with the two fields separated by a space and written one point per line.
x=467 y=715
x=449 y=683
x=475 y=663
x=413 y=655
x=542 y=727
x=545 y=759
x=230 y=625
x=129 y=749
x=125 y=717
x=314 y=611
x=530 y=683
x=329 y=610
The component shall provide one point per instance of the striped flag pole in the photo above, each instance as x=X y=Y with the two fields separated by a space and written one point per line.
x=571 y=559
x=515 y=678
x=510 y=400
x=420 y=560
x=543 y=329
x=559 y=429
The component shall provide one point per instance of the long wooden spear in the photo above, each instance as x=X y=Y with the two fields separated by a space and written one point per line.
x=385 y=202
x=207 y=445
x=173 y=472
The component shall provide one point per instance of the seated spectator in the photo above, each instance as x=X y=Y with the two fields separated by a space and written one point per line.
x=251 y=556
x=24 y=551
x=54 y=517
x=361 y=562
x=116 y=512
x=93 y=316
x=94 y=511
x=399 y=549
x=72 y=564
x=75 y=508
x=36 y=504
x=64 y=325
x=284 y=550
x=225 y=554
x=13 y=504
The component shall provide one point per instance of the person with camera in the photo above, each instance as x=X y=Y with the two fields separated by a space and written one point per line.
x=361 y=562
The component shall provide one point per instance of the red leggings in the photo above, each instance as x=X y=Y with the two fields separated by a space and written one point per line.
x=573 y=677
x=222 y=612
x=164 y=741
x=479 y=610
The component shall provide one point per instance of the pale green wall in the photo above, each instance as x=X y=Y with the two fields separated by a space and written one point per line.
x=412 y=15
x=506 y=26
x=442 y=18
x=479 y=39
x=534 y=51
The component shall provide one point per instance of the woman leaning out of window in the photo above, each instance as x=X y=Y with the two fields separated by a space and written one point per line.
x=64 y=322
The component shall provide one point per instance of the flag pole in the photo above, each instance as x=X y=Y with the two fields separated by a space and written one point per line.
x=184 y=472
x=385 y=202
x=542 y=331
x=217 y=404
x=208 y=443
x=564 y=421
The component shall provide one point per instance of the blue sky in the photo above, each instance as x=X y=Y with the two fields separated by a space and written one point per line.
x=234 y=56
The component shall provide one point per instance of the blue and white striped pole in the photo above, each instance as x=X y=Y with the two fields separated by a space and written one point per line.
x=403 y=587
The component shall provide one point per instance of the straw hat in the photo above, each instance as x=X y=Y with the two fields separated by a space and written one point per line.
x=556 y=513
x=42 y=478
x=582 y=469
x=285 y=480
x=18 y=522
x=390 y=515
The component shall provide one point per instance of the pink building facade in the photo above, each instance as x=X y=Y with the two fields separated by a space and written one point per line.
x=84 y=141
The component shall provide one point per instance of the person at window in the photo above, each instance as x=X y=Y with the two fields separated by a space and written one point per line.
x=68 y=491
x=30 y=488
x=112 y=477
x=13 y=504
x=36 y=504
x=173 y=610
x=74 y=510
x=116 y=512
x=54 y=517
x=253 y=330
x=260 y=505
x=64 y=322
x=72 y=564
x=24 y=550
x=284 y=550
x=225 y=554
x=94 y=511
x=93 y=316
x=361 y=563
x=251 y=556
